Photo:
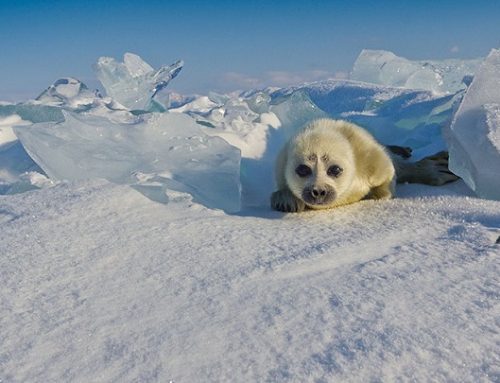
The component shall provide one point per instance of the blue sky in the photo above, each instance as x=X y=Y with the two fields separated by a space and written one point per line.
x=229 y=45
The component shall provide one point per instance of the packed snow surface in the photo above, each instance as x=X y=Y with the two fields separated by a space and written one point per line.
x=99 y=283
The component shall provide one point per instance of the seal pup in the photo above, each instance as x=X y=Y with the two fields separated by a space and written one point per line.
x=331 y=163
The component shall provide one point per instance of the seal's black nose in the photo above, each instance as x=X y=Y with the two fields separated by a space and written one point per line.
x=318 y=195
x=317 y=192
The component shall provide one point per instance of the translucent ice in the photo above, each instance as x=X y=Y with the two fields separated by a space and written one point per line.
x=32 y=111
x=295 y=110
x=66 y=94
x=73 y=95
x=474 y=136
x=259 y=102
x=67 y=91
x=134 y=83
x=396 y=116
x=157 y=151
x=16 y=166
x=383 y=67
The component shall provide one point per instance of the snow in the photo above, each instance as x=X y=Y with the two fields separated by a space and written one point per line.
x=385 y=68
x=6 y=133
x=99 y=283
x=174 y=268
x=474 y=136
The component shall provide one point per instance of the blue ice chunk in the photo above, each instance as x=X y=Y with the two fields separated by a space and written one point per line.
x=134 y=83
x=168 y=149
x=439 y=76
x=474 y=136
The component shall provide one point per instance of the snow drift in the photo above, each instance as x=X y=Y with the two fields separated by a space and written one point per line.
x=100 y=283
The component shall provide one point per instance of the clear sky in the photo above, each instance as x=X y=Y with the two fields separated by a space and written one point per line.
x=228 y=45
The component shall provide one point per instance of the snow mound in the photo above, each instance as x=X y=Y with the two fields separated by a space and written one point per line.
x=474 y=136
x=383 y=67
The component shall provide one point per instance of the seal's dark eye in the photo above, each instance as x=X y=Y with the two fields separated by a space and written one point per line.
x=303 y=170
x=334 y=171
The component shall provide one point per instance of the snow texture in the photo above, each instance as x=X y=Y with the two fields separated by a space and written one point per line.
x=102 y=284
x=385 y=68
x=474 y=136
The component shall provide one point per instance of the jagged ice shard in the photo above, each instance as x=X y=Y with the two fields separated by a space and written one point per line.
x=395 y=116
x=67 y=91
x=255 y=122
x=474 y=136
x=439 y=76
x=134 y=83
x=296 y=110
x=156 y=153
x=71 y=94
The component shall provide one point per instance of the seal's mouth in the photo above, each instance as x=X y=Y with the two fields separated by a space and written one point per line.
x=318 y=195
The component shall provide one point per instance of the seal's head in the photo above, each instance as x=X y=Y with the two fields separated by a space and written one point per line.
x=320 y=167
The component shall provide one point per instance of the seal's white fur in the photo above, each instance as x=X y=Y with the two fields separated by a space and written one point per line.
x=367 y=170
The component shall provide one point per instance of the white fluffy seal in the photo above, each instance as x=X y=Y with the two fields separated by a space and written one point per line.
x=331 y=163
